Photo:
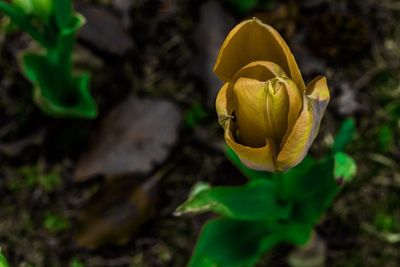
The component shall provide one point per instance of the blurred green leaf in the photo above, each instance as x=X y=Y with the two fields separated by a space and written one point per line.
x=253 y=201
x=43 y=8
x=76 y=22
x=385 y=222
x=56 y=93
x=284 y=208
x=76 y=263
x=225 y=242
x=54 y=223
x=243 y=6
x=312 y=191
x=345 y=167
x=386 y=138
x=63 y=13
x=3 y=261
x=50 y=180
x=344 y=135
x=22 y=20
x=24 y=5
x=35 y=175
x=195 y=115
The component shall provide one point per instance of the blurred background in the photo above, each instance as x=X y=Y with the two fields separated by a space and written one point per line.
x=102 y=192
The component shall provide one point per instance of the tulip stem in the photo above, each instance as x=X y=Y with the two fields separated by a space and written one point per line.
x=280 y=182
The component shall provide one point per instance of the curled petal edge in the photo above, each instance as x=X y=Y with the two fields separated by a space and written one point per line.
x=306 y=128
x=224 y=104
x=260 y=70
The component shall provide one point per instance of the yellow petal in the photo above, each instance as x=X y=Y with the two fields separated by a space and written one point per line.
x=251 y=41
x=249 y=104
x=224 y=104
x=318 y=92
x=260 y=70
x=262 y=158
x=276 y=109
x=295 y=105
x=261 y=110
x=306 y=128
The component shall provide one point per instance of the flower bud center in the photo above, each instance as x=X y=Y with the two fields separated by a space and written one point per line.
x=261 y=110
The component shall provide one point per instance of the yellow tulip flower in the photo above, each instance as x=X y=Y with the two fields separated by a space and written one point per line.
x=269 y=116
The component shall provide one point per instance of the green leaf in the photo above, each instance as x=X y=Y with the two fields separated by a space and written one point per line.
x=243 y=6
x=311 y=192
x=232 y=243
x=43 y=8
x=262 y=213
x=345 y=167
x=253 y=201
x=25 y=5
x=249 y=173
x=22 y=20
x=76 y=263
x=55 y=92
x=345 y=135
x=54 y=223
x=76 y=22
x=3 y=261
x=63 y=13
x=386 y=138
x=195 y=115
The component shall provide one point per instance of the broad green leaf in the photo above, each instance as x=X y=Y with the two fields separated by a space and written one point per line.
x=281 y=209
x=3 y=261
x=345 y=167
x=63 y=13
x=55 y=92
x=225 y=242
x=253 y=201
x=249 y=173
x=345 y=135
x=311 y=192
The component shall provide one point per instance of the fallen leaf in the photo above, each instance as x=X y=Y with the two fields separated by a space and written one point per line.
x=116 y=211
x=132 y=138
